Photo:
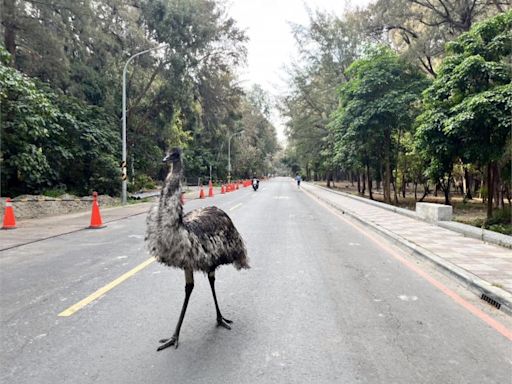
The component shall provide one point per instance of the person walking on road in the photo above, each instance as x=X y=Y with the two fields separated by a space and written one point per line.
x=298 y=179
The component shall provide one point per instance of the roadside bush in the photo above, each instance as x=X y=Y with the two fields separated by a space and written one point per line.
x=141 y=182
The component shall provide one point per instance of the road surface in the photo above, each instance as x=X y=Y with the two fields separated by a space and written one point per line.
x=323 y=303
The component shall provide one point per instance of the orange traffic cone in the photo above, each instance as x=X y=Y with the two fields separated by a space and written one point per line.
x=222 y=190
x=201 y=193
x=9 y=219
x=96 y=221
x=210 y=189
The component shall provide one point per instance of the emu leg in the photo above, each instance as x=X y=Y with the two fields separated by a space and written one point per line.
x=189 y=286
x=221 y=321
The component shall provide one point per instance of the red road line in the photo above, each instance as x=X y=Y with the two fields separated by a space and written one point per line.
x=496 y=325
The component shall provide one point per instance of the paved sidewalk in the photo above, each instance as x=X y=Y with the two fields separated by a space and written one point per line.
x=481 y=265
x=32 y=230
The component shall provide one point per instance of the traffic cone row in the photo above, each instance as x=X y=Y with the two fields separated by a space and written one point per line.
x=9 y=221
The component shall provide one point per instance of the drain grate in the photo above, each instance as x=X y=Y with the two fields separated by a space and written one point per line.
x=490 y=300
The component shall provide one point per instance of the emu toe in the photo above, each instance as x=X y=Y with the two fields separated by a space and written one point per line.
x=222 y=322
x=168 y=342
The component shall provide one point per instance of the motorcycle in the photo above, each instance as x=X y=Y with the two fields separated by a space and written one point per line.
x=255 y=184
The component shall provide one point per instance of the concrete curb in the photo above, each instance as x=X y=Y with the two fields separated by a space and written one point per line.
x=472 y=282
x=464 y=229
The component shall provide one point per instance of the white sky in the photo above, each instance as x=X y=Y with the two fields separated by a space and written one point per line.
x=271 y=45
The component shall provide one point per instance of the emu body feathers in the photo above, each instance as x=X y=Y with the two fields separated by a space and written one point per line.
x=201 y=240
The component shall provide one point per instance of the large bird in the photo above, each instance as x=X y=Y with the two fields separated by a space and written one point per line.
x=202 y=240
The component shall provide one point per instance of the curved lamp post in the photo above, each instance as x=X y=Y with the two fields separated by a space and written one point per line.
x=123 y=197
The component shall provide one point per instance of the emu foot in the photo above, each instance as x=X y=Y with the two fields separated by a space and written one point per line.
x=222 y=322
x=168 y=342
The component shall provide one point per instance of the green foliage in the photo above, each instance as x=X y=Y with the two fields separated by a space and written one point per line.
x=141 y=182
x=467 y=109
x=54 y=192
x=378 y=104
x=499 y=222
x=51 y=139
x=61 y=110
x=327 y=47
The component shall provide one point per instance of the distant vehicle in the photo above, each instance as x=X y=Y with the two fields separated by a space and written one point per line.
x=255 y=184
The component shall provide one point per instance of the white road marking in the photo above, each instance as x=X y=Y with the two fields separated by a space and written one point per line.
x=235 y=207
x=408 y=298
x=136 y=236
x=354 y=244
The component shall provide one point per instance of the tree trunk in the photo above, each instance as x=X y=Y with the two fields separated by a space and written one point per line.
x=498 y=187
x=489 y=190
x=395 y=194
x=446 y=191
x=364 y=184
x=476 y=186
x=387 y=171
x=426 y=191
x=358 y=183
x=370 y=193
x=415 y=191
x=467 y=182
x=9 y=22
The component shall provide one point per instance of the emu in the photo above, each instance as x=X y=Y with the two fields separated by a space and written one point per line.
x=202 y=240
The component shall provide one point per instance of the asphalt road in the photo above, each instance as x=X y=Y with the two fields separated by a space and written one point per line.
x=323 y=303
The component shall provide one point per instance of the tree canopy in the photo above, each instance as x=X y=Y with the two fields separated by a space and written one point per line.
x=61 y=98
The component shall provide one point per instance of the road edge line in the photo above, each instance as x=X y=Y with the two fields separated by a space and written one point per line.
x=471 y=284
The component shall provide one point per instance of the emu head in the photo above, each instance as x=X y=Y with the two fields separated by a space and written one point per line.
x=173 y=158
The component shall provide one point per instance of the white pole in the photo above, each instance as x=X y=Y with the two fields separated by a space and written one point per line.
x=124 y=187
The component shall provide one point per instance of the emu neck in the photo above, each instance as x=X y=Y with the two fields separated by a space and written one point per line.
x=170 y=199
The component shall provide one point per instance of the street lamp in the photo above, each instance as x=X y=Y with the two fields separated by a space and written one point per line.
x=123 y=163
x=229 y=153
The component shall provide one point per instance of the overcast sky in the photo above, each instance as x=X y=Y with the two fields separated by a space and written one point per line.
x=271 y=45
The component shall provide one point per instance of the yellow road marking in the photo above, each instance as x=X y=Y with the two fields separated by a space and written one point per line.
x=100 y=292
x=235 y=207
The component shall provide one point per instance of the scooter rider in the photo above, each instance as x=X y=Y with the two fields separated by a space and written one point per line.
x=255 y=183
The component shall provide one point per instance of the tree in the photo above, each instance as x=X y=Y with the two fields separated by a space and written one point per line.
x=50 y=140
x=327 y=47
x=468 y=107
x=419 y=29
x=377 y=104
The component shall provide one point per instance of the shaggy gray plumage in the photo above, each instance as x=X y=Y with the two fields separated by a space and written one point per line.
x=201 y=240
